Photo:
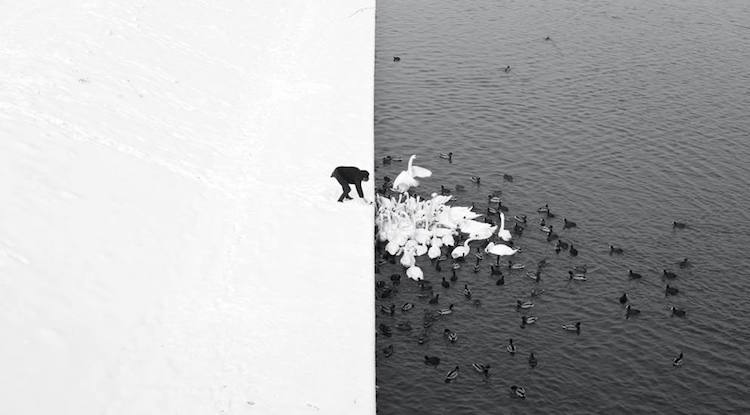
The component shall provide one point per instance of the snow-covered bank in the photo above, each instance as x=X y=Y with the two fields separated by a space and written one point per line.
x=169 y=237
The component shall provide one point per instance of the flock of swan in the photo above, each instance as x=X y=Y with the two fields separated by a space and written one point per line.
x=408 y=227
x=411 y=227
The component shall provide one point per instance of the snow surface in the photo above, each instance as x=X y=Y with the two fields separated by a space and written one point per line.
x=169 y=237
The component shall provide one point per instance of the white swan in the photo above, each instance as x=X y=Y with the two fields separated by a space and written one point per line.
x=407 y=178
x=503 y=233
x=415 y=273
x=461 y=251
x=407 y=259
x=499 y=249
x=434 y=251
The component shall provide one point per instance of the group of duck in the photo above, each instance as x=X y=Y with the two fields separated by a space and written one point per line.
x=410 y=226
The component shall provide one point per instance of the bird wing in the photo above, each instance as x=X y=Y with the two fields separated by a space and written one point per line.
x=417 y=171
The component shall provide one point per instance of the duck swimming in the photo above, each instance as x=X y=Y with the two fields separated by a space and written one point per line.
x=407 y=306
x=573 y=327
x=434 y=300
x=684 y=263
x=454 y=277
x=669 y=275
x=388 y=309
x=670 y=291
x=450 y=335
x=614 y=250
x=577 y=277
x=481 y=368
x=448 y=156
x=568 y=224
x=519 y=391
x=679 y=225
x=532 y=360
x=634 y=275
x=624 y=298
x=511 y=348
x=384 y=330
x=451 y=375
x=511 y=265
x=431 y=360
x=476 y=179
x=501 y=281
x=404 y=326
x=445 y=283
x=677 y=360
x=508 y=178
x=630 y=311
x=677 y=312
x=536 y=293
x=536 y=276
x=446 y=311
x=520 y=218
x=467 y=291
x=388 y=351
x=573 y=251
x=396 y=59
x=523 y=305
x=528 y=320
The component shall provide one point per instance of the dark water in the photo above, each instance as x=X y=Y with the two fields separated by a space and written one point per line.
x=633 y=115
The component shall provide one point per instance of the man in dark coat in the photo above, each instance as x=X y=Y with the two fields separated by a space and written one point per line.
x=350 y=175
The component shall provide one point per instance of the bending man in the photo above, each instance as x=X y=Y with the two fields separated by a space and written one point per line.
x=347 y=176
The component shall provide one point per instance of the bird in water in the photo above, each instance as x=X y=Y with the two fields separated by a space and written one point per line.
x=678 y=225
x=624 y=298
x=448 y=156
x=511 y=348
x=630 y=311
x=454 y=277
x=677 y=312
x=482 y=368
x=532 y=360
x=445 y=283
x=577 y=277
x=677 y=360
x=388 y=351
x=467 y=291
x=519 y=391
x=450 y=335
x=434 y=300
x=407 y=306
x=670 y=291
x=615 y=250
x=431 y=360
x=523 y=305
x=684 y=263
x=453 y=374
x=507 y=69
x=634 y=275
x=536 y=292
x=568 y=224
x=384 y=330
x=573 y=251
x=526 y=320
x=669 y=275
x=476 y=179
x=573 y=327
x=500 y=281
x=396 y=59
x=388 y=309
x=508 y=178
x=446 y=311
